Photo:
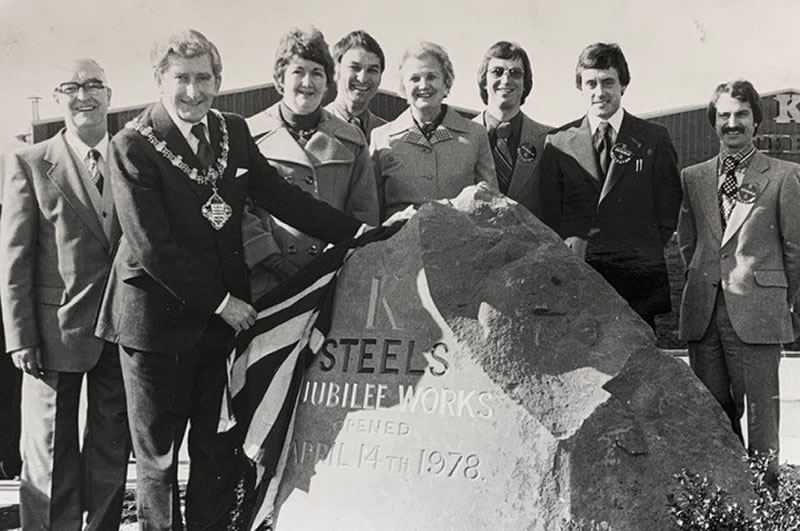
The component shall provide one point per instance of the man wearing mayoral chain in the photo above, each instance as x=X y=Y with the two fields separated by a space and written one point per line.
x=178 y=290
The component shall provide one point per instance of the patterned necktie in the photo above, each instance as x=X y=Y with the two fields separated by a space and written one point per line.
x=503 y=160
x=729 y=188
x=205 y=154
x=94 y=169
x=603 y=147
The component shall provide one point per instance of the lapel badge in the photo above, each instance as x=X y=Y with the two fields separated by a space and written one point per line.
x=526 y=152
x=747 y=194
x=621 y=153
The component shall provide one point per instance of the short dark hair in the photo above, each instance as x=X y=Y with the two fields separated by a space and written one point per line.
x=358 y=39
x=603 y=56
x=308 y=44
x=742 y=90
x=510 y=51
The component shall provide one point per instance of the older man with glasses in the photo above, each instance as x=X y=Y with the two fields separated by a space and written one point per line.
x=58 y=232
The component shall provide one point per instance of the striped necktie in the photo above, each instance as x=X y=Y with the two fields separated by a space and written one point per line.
x=94 y=169
x=503 y=160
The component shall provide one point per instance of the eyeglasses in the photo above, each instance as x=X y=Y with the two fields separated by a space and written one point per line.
x=93 y=86
x=513 y=73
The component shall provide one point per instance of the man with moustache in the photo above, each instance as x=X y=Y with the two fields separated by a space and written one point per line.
x=505 y=79
x=739 y=237
x=178 y=290
x=610 y=186
x=58 y=232
x=359 y=64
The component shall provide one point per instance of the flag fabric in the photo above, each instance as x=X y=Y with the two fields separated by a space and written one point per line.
x=266 y=368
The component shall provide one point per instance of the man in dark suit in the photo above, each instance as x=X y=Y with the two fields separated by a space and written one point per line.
x=179 y=287
x=58 y=233
x=359 y=64
x=610 y=186
x=739 y=236
x=505 y=80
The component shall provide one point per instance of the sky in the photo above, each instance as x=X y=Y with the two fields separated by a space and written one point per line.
x=677 y=50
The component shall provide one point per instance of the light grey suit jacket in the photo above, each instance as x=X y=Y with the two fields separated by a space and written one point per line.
x=755 y=261
x=54 y=257
x=529 y=153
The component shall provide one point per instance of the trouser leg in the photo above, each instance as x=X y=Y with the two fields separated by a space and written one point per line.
x=51 y=475
x=106 y=445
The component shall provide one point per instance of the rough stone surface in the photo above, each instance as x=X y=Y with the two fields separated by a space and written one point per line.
x=480 y=376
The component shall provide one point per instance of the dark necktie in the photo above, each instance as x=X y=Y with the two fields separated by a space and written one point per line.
x=503 y=161
x=356 y=121
x=205 y=154
x=94 y=170
x=603 y=147
x=729 y=188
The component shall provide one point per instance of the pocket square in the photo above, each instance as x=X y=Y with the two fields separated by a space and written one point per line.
x=241 y=171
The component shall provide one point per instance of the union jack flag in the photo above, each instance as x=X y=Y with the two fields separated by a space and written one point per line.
x=266 y=368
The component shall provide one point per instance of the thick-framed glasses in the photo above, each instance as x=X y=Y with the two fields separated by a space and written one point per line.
x=93 y=86
x=513 y=73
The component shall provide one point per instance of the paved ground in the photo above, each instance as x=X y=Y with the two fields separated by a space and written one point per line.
x=790 y=434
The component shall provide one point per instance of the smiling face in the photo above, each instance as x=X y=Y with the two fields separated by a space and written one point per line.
x=304 y=85
x=188 y=86
x=603 y=91
x=424 y=86
x=358 y=77
x=86 y=109
x=735 y=124
x=505 y=83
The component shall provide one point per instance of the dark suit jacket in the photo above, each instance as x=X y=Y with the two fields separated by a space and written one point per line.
x=755 y=261
x=173 y=268
x=54 y=257
x=527 y=168
x=626 y=218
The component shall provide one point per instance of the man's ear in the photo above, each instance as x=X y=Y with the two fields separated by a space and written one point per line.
x=624 y=88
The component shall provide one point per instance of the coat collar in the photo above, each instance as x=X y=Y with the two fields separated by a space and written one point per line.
x=65 y=175
x=404 y=125
x=753 y=181
x=326 y=146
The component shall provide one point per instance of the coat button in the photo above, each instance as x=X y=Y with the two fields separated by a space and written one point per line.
x=429 y=177
x=291 y=249
x=724 y=256
x=309 y=179
x=426 y=149
x=313 y=250
x=289 y=179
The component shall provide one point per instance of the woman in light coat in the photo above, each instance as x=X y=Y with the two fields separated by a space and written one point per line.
x=311 y=148
x=430 y=151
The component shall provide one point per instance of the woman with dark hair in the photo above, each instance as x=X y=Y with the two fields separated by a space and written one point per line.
x=430 y=151
x=310 y=148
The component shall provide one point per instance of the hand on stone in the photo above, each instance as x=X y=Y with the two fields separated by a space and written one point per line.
x=406 y=214
x=238 y=314
x=29 y=360
x=577 y=244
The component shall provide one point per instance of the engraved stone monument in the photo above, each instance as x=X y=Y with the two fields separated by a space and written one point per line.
x=480 y=376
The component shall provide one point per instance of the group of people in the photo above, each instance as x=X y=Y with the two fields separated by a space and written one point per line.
x=132 y=262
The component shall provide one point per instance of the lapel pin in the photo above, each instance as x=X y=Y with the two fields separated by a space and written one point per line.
x=621 y=153
x=747 y=194
x=526 y=152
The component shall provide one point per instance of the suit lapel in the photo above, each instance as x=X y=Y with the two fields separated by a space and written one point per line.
x=579 y=140
x=625 y=138
x=164 y=128
x=706 y=194
x=753 y=181
x=66 y=177
x=528 y=156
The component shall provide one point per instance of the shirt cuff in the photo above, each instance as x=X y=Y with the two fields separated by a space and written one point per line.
x=223 y=304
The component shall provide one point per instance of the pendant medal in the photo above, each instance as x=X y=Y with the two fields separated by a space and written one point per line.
x=217 y=211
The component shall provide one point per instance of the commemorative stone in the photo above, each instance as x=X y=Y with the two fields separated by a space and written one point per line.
x=478 y=375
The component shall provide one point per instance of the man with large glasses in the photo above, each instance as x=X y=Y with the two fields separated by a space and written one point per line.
x=58 y=232
x=505 y=80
